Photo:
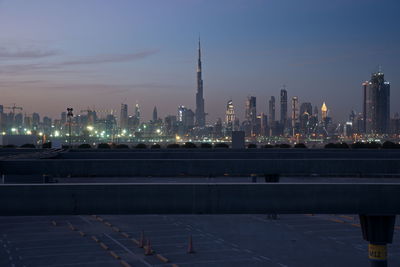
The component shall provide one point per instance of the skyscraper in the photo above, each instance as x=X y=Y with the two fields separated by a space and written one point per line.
x=185 y=117
x=137 y=112
x=230 y=114
x=271 y=113
x=305 y=115
x=200 y=114
x=251 y=109
x=376 y=104
x=123 y=120
x=324 y=111
x=295 y=113
x=155 y=116
x=283 y=107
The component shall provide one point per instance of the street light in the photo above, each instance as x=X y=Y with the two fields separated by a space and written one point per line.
x=70 y=115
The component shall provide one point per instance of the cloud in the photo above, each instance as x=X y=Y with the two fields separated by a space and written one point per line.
x=6 y=53
x=110 y=58
x=51 y=67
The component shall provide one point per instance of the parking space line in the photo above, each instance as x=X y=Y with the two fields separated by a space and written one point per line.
x=128 y=250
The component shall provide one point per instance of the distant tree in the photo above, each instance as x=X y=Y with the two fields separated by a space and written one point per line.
x=374 y=145
x=251 y=146
x=221 y=145
x=122 y=146
x=300 y=145
x=371 y=145
x=285 y=146
x=103 y=146
x=28 y=146
x=10 y=146
x=330 y=145
x=84 y=146
x=189 y=145
x=141 y=146
x=268 y=146
x=342 y=145
x=205 y=145
x=173 y=146
x=46 y=145
x=389 y=145
x=357 y=145
x=155 y=146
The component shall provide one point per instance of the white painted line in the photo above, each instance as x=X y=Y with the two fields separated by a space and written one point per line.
x=202 y=251
x=265 y=258
x=210 y=261
x=81 y=263
x=85 y=220
x=128 y=250
x=257 y=259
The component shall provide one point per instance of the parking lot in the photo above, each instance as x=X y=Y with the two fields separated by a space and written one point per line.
x=217 y=240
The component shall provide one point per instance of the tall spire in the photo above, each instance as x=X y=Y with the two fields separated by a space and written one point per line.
x=200 y=114
x=199 y=57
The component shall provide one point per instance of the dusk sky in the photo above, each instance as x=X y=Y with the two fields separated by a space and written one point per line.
x=60 y=53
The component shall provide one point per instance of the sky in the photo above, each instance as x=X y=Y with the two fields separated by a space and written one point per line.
x=100 y=53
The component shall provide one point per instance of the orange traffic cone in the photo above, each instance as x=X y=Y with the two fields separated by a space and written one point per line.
x=141 y=240
x=148 y=251
x=190 y=246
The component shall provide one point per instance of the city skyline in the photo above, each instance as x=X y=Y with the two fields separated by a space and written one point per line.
x=46 y=70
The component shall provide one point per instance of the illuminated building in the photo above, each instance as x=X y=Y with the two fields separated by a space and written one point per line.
x=229 y=114
x=376 y=104
x=324 y=112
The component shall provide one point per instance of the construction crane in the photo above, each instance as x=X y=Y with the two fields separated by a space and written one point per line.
x=13 y=108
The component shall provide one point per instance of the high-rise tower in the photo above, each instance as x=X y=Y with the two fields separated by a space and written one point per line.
x=200 y=114
x=283 y=107
x=377 y=104
x=271 y=113
x=123 y=120
x=324 y=111
x=295 y=114
x=230 y=114
x=155 y=116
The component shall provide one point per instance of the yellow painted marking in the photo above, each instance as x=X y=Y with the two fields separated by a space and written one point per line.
x=95 y=238
x=135 y=241
x=116 y=229
x=162 y=258
x=125 y=234
x=82 y=233
x=346 y=217
x=115 y=255
x=100 y=219
x=377 y=252
x=104 y=246
x=108 y=224
x=355 y=224
x=336 y=220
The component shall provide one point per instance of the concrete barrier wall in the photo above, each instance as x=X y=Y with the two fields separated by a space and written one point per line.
x=199 y=199
x=200 y=167
x=230 y=154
